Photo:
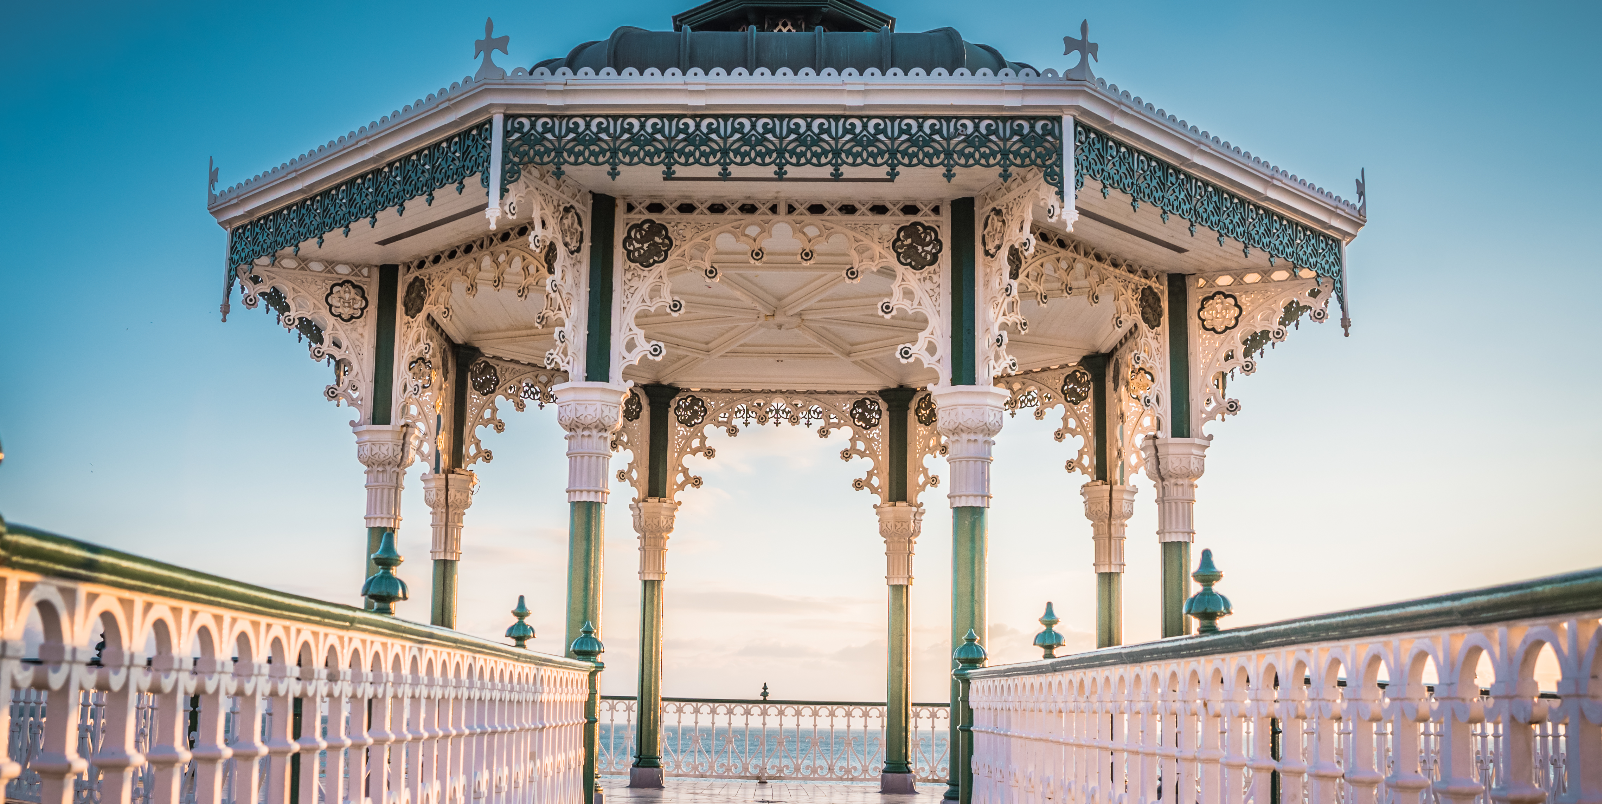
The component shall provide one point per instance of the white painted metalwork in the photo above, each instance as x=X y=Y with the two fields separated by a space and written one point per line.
x=1362 y=716
x=773 y=740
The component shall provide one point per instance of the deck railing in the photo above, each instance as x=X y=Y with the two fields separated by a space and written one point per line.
x=135 y=682
x=1375 y=706
x=773 y=739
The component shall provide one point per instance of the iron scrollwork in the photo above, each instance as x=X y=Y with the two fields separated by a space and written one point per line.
x=925 y=410
x=690 y=411
x=647 y=243
x=416 y=296
x=865 y=413
x=346 y=300
x=917 y=245
x=1219 y=312
x=572 y=229
x=483 y=377
x=632 y=407
x=1077 y=385
x=1152 y=307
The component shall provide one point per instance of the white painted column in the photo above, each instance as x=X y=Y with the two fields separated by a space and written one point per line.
x=448 y=496
x=382 y=449
x=899 y=527
x=654 y=522
x=1174 y=465
x=969 y=417
x=1108 y=508
x=590 y=412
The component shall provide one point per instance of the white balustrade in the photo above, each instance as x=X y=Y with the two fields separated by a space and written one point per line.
x=774 y=740
x=1378 y=706
x=187 y=688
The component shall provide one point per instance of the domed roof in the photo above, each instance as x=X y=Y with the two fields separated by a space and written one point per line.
x=753 y=34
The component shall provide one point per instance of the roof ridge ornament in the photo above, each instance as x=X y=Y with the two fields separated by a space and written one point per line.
x=487 y=47
x=1088 y=53
x=1359 y=189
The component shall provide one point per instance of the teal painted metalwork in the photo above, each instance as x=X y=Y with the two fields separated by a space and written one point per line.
x=443 y=595
x=1176 y=558
x=1148 y=179
x=1048 y=640
x=587 y=648
x=781 y=141
x=964 y=283
x=584 y=566
x=1110 y=609
x=599 y=290
x=1097 y=366
x=659 y=398
x=969 y=656
x=384 y=345
x=420 y=173
x=1179 y=320
x=1208 y=606
x=897 y=402
x=968 y=605
x=384 y=588
x=520 y=632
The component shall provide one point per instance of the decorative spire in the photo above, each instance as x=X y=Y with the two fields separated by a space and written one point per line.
x=587 y=646
x=1208 y=605
x=487 y=47
x=1049 y=640
x=970 y=654
x=211 y=182
x=765 y=694
x=520 y=632
x=384 y=588
x=1088 y=53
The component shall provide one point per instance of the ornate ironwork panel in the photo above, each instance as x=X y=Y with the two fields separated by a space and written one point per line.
x=1146 y=178
x=782 y=141
x=420 y=173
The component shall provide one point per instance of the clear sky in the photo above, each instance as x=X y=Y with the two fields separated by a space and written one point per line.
x=1452 y=441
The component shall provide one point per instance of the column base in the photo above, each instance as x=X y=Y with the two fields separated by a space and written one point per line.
x=896 y=783
x=649 y=778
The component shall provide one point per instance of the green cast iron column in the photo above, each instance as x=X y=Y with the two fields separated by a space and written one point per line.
x=1109 y=609
x=443 y=593
x=585 y=517
x=383 y=382
x=649 y=690
x=897 y=775
x=1176 y=583
x=1110 y=602
x=968 y=522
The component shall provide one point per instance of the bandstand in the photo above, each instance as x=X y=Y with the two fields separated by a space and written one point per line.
x=788 y=213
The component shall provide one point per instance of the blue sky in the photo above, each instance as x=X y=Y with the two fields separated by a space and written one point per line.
x=1453 y=441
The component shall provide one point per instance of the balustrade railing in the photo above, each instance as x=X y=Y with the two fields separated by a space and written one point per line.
x=135 y=682
x=1374 y=706
x=773 y=740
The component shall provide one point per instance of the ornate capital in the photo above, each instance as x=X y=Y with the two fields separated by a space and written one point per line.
x=382 y=448
x=448 y=496
x=1108 y=507
x=1174 y=465
x=590 y=412
x=969 y=417
x=899 y=526
x=654 y=521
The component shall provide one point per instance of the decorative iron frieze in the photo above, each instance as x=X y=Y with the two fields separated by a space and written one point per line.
x=346 y=300
x=572 y=229
x=917 y=245
x=865 y=413
x=647 y=243
x=1148 y=179
x=690 y=411
x=417 y=294
x=1152 y=308
x=483 y=377
x=1218 y=312
x=420 y=173
x=783 y=141
x=1077 y=386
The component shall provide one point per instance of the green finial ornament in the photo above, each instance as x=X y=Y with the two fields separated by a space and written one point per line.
x=520 y=632
x=765 y=690
x=1049 y=640
x=970 y=654
x=384 y=588
x=587 y=646
x=1208 y=605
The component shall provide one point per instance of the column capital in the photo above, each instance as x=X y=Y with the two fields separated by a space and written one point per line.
x=1108 y=507
x=382 y=449
x=899 y=526
x=1174 y=465
x=969 y=417
x=448 y=495
x=654 y=521
x=590 y=412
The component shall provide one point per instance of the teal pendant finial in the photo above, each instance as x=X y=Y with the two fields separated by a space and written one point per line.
x=520 y=632
x=384 y=588
x=587 y=646
x=1208 y=605
x=970 y=654
x=765 y=694
x=1049 y=640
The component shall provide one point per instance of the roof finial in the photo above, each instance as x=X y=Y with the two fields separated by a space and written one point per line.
x=211 y=181
x=1359 y=188
x=487 y=47
x=1088 y=53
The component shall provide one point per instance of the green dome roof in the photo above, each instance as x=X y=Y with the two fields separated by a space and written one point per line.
x=754 y=34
